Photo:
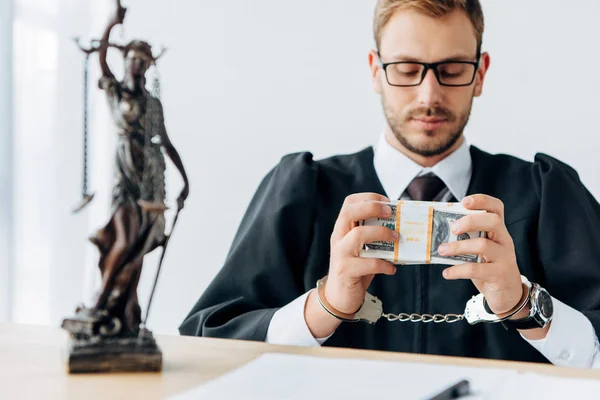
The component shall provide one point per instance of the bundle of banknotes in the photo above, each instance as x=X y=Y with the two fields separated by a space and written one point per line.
x=423 y=227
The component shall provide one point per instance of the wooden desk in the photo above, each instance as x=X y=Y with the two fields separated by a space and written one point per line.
x=31 y=365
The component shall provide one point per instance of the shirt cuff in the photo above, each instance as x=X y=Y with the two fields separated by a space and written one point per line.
x=288 y=326
x=571 y=340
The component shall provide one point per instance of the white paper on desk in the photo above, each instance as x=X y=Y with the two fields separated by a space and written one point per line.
x=284 y=376
x=536 y=386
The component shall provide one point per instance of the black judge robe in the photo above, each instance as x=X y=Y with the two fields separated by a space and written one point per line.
x=282 y=248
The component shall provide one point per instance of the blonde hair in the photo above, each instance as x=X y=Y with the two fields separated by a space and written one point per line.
x=433 y=8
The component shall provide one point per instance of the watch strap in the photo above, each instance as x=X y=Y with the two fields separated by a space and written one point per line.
x=525 y=323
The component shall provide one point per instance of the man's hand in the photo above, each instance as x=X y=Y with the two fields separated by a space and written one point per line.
x=349 y=275
x=499 y=278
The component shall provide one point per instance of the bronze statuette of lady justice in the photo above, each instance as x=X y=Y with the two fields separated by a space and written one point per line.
x=111 y=336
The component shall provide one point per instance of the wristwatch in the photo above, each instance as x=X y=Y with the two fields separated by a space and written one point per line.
x=540 y=312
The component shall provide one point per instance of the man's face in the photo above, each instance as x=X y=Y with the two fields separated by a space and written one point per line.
x=427 y=119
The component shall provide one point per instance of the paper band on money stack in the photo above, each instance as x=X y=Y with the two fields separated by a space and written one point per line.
x=423 y=227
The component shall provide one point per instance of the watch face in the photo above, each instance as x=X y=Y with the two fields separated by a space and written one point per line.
x=545 y=304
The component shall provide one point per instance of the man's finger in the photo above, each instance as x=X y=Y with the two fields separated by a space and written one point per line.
x=354 y=241
x=484 y=202
x=493 y=224
x=360 y=211
x=359 y=197
x=360 y=267
x=469 y=271
x=484 y=247
x=352 y=213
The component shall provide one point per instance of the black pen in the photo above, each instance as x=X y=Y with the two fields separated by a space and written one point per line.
x=455 y=391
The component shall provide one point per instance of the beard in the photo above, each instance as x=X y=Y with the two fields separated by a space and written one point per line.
x=438 y=141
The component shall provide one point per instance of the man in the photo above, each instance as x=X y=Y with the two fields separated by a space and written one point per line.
x=302 y=224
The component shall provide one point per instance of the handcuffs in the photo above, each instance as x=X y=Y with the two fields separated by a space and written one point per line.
x=372 y=309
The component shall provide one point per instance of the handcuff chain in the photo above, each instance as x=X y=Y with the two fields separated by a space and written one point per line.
x=425 y=318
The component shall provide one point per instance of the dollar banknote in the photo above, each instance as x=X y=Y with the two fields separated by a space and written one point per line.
x=423 y=227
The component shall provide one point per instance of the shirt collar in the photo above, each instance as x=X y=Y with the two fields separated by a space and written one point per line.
x=396 y=171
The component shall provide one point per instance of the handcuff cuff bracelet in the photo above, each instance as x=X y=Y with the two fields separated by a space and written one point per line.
x=475 y=310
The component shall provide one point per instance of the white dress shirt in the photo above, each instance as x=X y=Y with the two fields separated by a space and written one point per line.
x=571 y=340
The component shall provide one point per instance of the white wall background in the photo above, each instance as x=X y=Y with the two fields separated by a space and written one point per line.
x=6 y=111
x=245 y=82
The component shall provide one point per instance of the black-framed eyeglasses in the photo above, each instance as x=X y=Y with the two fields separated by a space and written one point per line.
x=412 y=73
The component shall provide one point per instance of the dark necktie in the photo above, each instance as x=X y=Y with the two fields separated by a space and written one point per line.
x=425 y=188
